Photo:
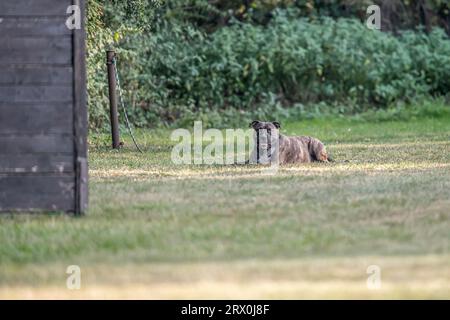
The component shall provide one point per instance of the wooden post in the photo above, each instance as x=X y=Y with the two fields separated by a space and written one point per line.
x=110 y=55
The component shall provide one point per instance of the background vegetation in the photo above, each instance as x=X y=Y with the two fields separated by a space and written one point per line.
x=226 y=62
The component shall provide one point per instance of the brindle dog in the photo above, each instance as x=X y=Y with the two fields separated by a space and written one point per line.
x=297 y=149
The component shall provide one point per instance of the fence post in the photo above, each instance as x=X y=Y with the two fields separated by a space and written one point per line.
x=110 y=55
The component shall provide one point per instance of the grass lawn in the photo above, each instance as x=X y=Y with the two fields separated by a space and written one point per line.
x=158 y=230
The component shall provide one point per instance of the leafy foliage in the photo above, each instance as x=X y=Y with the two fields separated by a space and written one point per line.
x=289 y=65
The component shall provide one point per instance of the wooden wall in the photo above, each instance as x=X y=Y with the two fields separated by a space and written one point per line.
x=42 y=108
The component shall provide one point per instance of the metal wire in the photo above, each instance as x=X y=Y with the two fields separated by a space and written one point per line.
x=123 y=105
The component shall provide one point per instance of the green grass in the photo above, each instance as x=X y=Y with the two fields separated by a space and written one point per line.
x=386 y=196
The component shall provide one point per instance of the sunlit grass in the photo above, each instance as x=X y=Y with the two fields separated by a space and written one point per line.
x=159 y=230
x=416 y=277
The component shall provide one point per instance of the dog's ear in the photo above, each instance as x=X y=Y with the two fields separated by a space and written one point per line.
x=253 y=123
x=276 y=124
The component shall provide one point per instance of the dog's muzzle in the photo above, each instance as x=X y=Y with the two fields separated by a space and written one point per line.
x=263 y=142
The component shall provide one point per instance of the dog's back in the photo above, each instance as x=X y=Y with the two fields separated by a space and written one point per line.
x=295 y=149
x=301 y=149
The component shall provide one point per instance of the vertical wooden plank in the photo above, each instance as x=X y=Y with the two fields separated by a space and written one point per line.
x=80 y=113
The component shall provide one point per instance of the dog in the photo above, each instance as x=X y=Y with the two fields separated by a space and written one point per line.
x=296 y=149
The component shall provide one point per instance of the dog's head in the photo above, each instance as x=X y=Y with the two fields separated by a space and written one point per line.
x=266 y=135
x=261 y=125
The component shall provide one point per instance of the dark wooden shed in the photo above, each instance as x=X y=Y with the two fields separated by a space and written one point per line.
x=43 y=116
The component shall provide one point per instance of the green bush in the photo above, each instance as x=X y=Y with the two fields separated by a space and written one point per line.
x=178 y=72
